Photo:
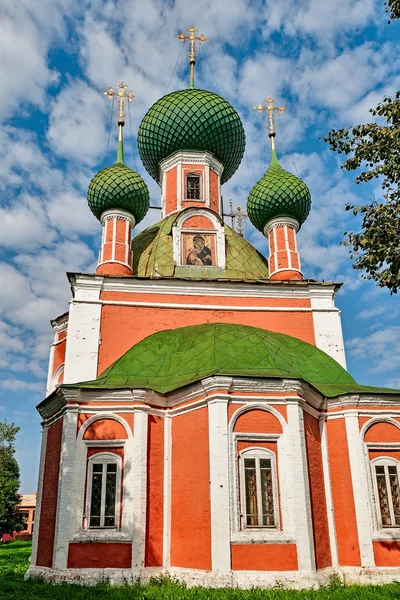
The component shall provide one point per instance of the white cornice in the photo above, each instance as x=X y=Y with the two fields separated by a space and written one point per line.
x=192 y=158
x=281 y=222
x=268 y=289
x=117 y=213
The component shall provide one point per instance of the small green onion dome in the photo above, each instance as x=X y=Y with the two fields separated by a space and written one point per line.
x=278 y=194
x=118 y=187
x=191 y=119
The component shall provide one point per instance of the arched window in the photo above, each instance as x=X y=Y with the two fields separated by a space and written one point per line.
x=193 y=186
x=385 y=475
x=258 y=489
x=103 y=491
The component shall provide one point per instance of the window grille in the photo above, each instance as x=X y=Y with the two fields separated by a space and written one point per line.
x=104 y=481
x=388 y=493
x=258 y=489
x=193 y=187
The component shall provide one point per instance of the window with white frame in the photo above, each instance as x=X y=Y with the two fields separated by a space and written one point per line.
x=103 y=493
x=258 y=489
x=385 y=473
x=193 y=186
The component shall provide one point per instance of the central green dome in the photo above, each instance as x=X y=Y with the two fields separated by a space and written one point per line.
x=191 y=119
x=174 y=358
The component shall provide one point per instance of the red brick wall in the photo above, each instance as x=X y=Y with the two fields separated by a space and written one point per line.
x=264 y=557
x=49 y=495
x=317 y=492
x=99 y=556
x=155 y=493
x=190 y=514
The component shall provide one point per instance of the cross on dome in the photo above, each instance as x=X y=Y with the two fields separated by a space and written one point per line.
x=268 y=105
x=192 y=38
x=122 y=94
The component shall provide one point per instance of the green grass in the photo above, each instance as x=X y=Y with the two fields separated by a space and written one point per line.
x=14 y=557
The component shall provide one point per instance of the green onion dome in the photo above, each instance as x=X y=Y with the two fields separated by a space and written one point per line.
x=191 y=119
x=278 y=194
x=118 y=187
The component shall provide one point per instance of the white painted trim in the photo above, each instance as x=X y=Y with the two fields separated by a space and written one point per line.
x=167 y=490
x=219 y=483
x=114 y=237
x=65 y=498
x=218 y=230
x=179 y=186
x=207 y=195
x=200 y=173
x=210 y=306
x=191 y=158
x=328 y=492
x=55 y=377
x=81 y=353
x=117 y=213
x=235 y=579
x=384 y=461
x=76 y=530
x=264 y=535
x=284 y=268
x=383 y=418
x=281 y=222
x=266 y=289
x=38 y=509
x=360 y=489
x=49 y=386
x=301 y=501
x=138 y=490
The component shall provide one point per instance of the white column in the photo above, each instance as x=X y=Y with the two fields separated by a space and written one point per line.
x=301 y=487
x=82 y=350
x=219 y=483
x=328 y=492
x=360 y=489
x=139 y=490
x=327 y=323
x=39 y=496
x=167 y=490
x=65 y=498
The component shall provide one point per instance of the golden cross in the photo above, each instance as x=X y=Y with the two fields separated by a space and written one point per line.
x=121 y=93
x=192 y=38
x=269 y=106
x=240 y=214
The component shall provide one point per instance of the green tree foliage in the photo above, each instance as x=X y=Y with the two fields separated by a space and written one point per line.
x=393 y=8
x=375 y=148
x=10 y=517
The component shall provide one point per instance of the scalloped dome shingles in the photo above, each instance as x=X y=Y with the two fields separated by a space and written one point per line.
x=191 y=119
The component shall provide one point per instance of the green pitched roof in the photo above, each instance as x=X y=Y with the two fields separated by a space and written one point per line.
x=174 y=358
x=191 y=119
x=153 y=256
x=278 y=194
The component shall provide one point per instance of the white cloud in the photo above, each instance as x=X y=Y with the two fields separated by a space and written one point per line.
x=381 y=349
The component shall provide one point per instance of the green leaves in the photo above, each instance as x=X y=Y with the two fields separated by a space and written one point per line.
x=375 y=148
x=10 y=517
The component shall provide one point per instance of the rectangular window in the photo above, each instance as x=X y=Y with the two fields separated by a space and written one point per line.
x=259 y=506
x=103 y=495
x=387 y=484
x=193 y=187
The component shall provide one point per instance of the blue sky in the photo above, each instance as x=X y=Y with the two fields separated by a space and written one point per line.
x=327 y=62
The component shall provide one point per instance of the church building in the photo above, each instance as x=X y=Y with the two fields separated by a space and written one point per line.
x=199 y=420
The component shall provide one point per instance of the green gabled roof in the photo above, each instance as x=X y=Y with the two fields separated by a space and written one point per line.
x=153 y=256
x=278 y=194
x=191 y=119
x=171 y=359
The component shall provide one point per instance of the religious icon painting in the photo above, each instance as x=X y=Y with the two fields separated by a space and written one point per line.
x=199 y=249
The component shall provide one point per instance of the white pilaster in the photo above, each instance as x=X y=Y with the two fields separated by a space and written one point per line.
x=81 y=354
x=360 y=489
x=167 y=490
x=65 y=498
x=139 y=489
x=219 y=483
x=39 y=496
x=327 y=323
x=301 y=487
